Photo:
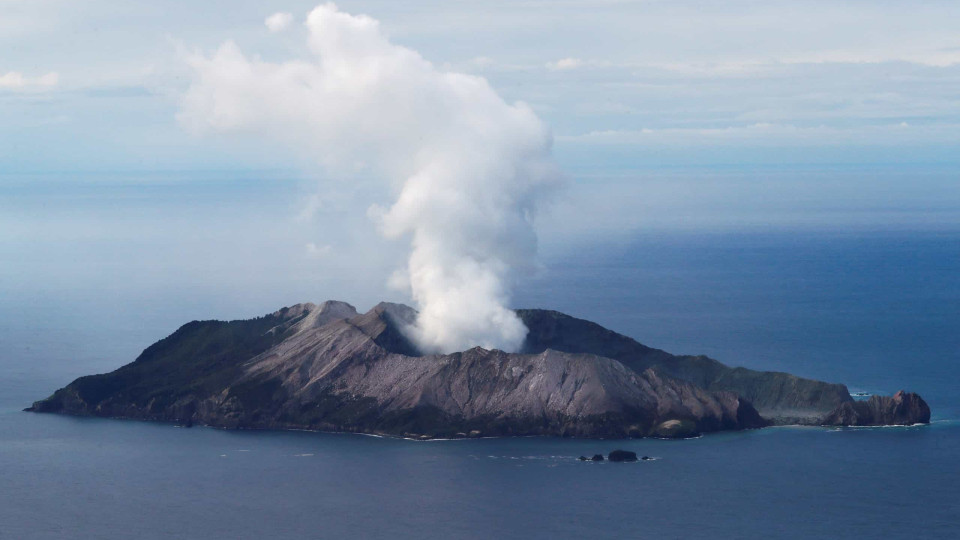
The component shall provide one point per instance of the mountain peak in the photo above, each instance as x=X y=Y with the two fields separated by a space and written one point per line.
x=294 y=311
x=386 y=323
x=319 y=315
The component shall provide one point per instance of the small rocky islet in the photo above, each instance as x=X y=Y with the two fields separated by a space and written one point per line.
x=327 y=367
x=617 y=456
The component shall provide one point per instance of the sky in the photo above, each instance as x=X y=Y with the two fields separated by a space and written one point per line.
x=624 y=85
x=664 y=115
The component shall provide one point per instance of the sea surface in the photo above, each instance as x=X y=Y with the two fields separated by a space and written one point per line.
x=878 y=310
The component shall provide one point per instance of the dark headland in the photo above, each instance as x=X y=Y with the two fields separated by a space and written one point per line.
x=326 y=367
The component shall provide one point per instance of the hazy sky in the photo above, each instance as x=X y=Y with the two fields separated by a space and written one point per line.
x=95 y=85
x=665 y=115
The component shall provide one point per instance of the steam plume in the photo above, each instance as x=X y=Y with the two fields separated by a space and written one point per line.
x=469 y=167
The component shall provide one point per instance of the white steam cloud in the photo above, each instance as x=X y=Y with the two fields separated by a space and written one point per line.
x=469 y=167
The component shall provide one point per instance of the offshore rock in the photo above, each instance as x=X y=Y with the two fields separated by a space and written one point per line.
x=902 y=409
x=622 y=455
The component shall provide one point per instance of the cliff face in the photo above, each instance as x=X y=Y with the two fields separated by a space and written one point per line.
x=327 y=367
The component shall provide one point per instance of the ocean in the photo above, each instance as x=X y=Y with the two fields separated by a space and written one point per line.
x=877 y=309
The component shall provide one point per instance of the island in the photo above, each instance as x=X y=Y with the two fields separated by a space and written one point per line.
x=327 y=367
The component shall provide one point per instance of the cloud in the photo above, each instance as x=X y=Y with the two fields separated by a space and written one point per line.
x=565 y=63
x=482 y=62
x=309 y=207
x=278 y=22
x=314 y=251
x=768 y=135
x=930 y=58
x=14 y=80
x=470 y=169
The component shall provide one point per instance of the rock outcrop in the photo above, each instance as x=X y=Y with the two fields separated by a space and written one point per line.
x=676 y=429
x=622 y=455
x=327 y=367
x=903 y=409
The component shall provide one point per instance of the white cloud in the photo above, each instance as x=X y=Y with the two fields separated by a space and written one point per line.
x=18 y=81
x=278 y=22
x=931 y=58
x=763 y=134
x=482 y=62
x=310 y=207
x=565 y=63
x=314 y=251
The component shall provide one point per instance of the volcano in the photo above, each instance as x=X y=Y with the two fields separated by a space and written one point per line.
x=327 y=367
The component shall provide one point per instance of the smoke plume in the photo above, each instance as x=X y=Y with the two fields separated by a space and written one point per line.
x=468 y=168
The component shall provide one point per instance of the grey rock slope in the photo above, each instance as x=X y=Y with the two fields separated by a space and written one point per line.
x=327 y=367
x=780 y=397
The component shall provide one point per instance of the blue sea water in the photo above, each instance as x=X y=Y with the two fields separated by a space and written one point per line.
x=878 y=310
